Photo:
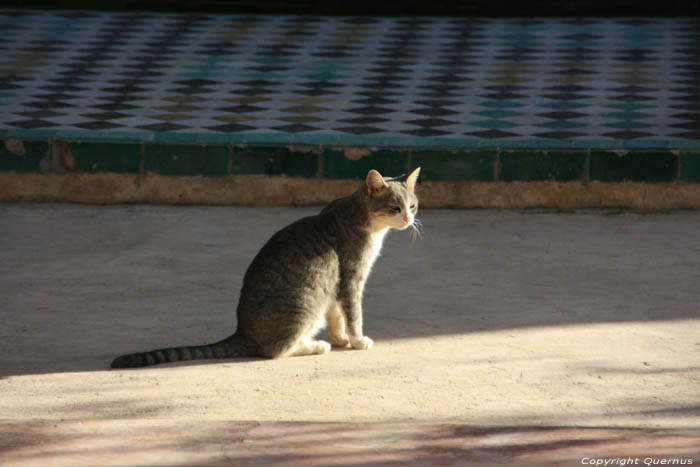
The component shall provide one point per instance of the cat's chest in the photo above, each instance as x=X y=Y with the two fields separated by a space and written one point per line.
x=373 y=249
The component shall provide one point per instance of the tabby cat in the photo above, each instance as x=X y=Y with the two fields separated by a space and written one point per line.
x=310 y=273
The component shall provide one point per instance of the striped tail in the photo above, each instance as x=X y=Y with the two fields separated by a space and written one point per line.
x=231 y=347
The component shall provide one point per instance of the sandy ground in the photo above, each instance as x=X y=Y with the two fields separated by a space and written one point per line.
x=493 y=319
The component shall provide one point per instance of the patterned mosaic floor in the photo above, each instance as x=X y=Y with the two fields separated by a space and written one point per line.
x=328 y=80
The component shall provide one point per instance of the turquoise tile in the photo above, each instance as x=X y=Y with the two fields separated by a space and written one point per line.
x=28 y=135
x=409 y=141
x=626 y=115
x=167 y=137
x=628 y=125
x=500 y=104
x=271 y=139
x=490 y=143
x=629 y=106
x=533 y=143
x=597 y=143
x=646 y=143
x=121 y=136
x=455 y=142
x=361 y=140
x=104 y=135
x=494 y=124
x=497 y=113
x=273 y=60
x=562 y=105
x=561 y=125
x=687 y=144
x=220 y=138
x=327 y=139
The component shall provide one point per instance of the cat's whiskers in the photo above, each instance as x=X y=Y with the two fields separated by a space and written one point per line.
x=416 y=229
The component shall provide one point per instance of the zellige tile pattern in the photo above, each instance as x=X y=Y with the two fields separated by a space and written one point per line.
x=412 y=82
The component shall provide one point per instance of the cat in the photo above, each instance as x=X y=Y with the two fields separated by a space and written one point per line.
x=309 y=274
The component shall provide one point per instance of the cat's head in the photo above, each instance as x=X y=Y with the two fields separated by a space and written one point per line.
x=392 y=202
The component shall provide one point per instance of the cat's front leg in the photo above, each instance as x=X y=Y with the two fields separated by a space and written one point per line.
x=352 y=310
x=362 y=343
x=337 y=327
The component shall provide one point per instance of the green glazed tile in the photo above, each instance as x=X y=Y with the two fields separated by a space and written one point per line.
x=30 y=134
x=690 y=145
x=22 y=156
x=220 y=138
x=269 y=139
x=355 y=163
x=596 y=143
x=174 y=159
x=455 y=165
x=274 y=161
x=690 y=167
x=533 y=144
x=530 y=166
x=361 y=140
x=319 y=139
x=456 y=142
x=174 y=138
x=646 y=143
x=106 y=157
x=104 y=136
x=642 y=166
x=409 y=141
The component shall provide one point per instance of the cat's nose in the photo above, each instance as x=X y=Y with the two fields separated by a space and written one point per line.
x=407 y=218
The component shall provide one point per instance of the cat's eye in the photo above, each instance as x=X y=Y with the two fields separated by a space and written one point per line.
x=395 y=209
x=413 y=206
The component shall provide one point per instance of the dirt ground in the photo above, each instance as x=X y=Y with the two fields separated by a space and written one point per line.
x=493 y=319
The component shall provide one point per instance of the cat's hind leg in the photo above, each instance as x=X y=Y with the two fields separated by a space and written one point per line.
x=296 y=347
x=309 y=345
x=297 y=343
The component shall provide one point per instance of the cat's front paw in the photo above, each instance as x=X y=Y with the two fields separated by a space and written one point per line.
x=362 y=343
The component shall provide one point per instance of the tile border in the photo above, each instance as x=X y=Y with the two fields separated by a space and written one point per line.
x=286 y=156
x=340 y=139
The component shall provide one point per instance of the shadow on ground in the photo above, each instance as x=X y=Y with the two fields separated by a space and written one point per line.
x=139 y=442
x=82 y=284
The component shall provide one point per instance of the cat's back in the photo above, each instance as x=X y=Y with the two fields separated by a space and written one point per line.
x=296 y=248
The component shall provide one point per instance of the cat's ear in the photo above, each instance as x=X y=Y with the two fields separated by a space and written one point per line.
x=375 y=183
x=412 y=179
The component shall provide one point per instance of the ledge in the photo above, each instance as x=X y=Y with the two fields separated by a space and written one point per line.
x=151 y=172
